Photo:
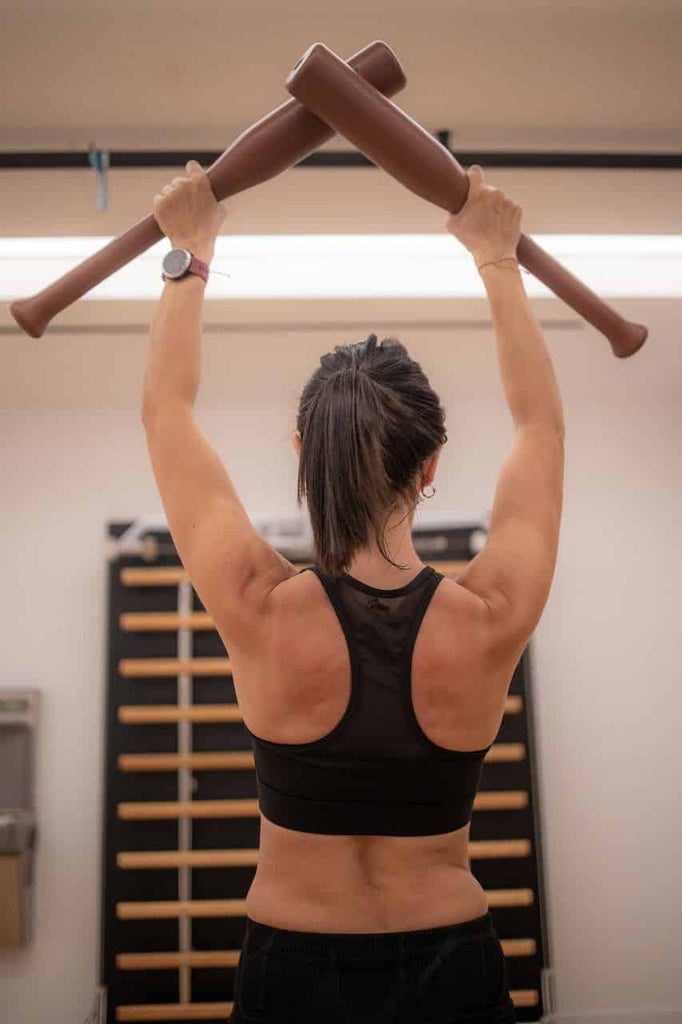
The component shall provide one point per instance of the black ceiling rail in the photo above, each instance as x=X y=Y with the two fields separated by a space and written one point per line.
x=16 y=160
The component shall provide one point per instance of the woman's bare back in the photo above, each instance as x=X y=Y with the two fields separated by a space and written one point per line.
x=297 y=694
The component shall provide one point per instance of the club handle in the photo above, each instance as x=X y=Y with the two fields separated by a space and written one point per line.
x=273 y=144
x=397 y=143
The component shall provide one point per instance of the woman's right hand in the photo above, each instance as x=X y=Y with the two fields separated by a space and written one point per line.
x=489 y=223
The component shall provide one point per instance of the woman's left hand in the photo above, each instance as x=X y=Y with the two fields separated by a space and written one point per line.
x=188 y=213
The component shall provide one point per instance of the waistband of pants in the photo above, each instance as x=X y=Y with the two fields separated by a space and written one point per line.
x=265 y=938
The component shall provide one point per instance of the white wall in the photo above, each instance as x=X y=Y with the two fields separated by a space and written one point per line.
x=606 y=655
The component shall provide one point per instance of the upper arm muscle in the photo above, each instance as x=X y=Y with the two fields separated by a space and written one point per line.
x=232 y=568
x=513 y=573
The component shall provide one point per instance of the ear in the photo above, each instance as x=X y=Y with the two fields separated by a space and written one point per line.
x=431 y=466
x=296 y=441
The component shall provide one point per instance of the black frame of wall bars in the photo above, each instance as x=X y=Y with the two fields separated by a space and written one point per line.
x=521 y=918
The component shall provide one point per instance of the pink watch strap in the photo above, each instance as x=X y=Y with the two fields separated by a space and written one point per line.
x=198 y=267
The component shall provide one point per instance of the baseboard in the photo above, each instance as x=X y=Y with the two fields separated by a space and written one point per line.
x=656 y=1015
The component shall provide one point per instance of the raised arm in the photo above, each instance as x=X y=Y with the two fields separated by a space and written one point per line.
x=513 y=573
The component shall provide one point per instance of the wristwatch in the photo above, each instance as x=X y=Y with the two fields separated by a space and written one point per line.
x=178 y=263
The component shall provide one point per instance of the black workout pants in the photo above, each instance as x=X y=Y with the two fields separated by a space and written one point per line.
x=456 y=974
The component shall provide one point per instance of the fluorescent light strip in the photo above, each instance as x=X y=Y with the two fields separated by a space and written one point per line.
x=350 y=266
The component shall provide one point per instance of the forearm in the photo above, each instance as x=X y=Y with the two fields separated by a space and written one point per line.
x=173 y=369
x=528 y=377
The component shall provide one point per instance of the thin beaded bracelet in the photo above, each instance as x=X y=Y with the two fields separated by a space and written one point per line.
x=505 y=259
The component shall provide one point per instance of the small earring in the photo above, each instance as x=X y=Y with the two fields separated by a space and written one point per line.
x=428 y=495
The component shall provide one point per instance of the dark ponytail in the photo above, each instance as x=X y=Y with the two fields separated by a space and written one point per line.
x=368 y=419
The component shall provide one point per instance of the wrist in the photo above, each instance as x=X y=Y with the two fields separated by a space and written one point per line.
x=203 y=249
x=492 y=268
x=492 y=255
x=501 y=261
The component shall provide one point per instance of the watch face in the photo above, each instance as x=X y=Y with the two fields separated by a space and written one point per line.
x=176 y=262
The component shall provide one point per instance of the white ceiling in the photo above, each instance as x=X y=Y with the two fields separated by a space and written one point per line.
x=497 y=73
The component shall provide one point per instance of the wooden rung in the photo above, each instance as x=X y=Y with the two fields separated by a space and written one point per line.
x=174 y=1011
x=148 y=714
x=478 y=850
x=148 y=910
x=156 y=668
x=487 y=800
x=167 y=809
x=165 y=622
x=188 y=858
x=207 y=1011
x=519 y=947
x=489 y=849
x=237 y=760
x=524 y=996
x=166 y=961
x=161 y=576
x=168 y=622
x=173 y=762
x=501 y=800
x=225 y=958
x=164 y=668
x=173 y=575
x=506 y=752
x=148 y=811
x=162 y=622
x=510 y=897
